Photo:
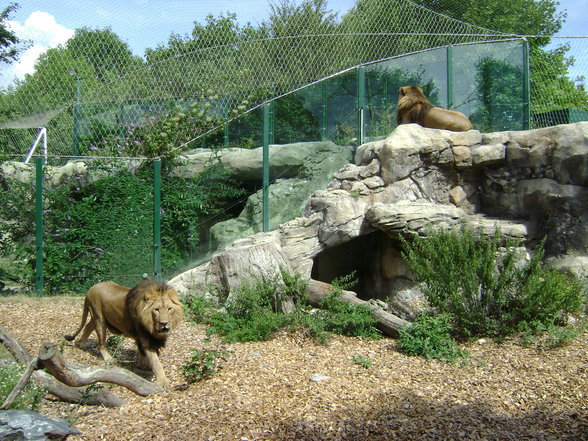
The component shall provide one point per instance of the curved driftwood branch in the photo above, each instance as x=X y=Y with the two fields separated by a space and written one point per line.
x=74 y=374
x=78 y=395
x=19 y=353
x=67 y=393
x=389 y=324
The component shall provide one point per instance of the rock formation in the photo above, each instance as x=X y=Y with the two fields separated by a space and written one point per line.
x=530 y=184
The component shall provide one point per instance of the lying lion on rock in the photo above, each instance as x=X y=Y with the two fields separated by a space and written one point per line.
x=147 y=313
x=414 y=107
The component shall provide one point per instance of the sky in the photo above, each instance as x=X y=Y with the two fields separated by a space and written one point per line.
x=146 y=23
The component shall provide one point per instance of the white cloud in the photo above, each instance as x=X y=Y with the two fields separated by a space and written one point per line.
x=43 y=31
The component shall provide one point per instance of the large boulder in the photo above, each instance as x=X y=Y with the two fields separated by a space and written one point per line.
x=25 y=425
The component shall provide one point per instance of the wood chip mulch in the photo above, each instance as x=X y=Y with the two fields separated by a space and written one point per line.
x=265 y=391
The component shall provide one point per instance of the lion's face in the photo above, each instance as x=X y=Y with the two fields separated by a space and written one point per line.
x=161 y=312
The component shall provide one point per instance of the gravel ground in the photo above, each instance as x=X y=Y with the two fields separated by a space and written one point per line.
x=265 y=391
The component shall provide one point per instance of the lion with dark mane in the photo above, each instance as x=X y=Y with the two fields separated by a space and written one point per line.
x=414 y=107
x=146 y=313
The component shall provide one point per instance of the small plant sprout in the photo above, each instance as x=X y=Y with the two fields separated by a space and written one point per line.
x=365 y=363
x=204 y=363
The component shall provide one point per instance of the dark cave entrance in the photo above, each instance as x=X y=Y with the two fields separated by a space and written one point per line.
x=375 y=258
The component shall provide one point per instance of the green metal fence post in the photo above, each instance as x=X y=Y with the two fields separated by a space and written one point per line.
x=76 y=116
x=226 y=134
x=39 y=225
x=157 y=219
x=526 y=87
x=324 y=114
x=449 y=77
x=265 y=184
x=272 y=121
x=361 y=104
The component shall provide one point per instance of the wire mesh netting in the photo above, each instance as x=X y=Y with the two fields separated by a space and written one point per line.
x=91 y=90
x=95 y=112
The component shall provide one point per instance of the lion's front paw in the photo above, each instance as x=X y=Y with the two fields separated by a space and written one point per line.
x=163 y=382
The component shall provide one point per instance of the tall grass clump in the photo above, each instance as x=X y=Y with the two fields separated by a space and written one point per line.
x=430 y=337
x=29 y=398
x=486 y=291
x=248 y=315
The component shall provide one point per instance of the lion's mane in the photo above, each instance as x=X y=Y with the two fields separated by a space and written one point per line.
x=141 y=300
x=414 y=107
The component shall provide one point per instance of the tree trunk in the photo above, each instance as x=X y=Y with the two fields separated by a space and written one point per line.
x=14 y=347
x=78 y=395
x=388 y=323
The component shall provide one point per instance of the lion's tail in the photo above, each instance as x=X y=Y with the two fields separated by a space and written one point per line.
x=84 y=318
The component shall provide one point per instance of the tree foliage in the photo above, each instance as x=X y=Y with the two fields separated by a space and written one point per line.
x=242 y=65
x=537 y=18
x=9 y=43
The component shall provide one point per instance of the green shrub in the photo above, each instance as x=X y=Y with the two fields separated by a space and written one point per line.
x=541 y=337
x=203 y=364
x=346 y=319
x=255 y=327
x=89 y=225
x=339 y=317
x=114 y=343
x=29 y=398
x=198 y=308
x=475 y=280
x=429 y=337
x=250 y=314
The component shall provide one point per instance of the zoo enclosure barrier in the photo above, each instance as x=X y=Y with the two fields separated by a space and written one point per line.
x=487 y=81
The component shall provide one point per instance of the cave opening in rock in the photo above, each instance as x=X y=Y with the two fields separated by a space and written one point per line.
x=376 y=260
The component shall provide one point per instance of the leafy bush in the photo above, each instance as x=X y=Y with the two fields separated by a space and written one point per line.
x=343 y=318
x=551 y=337
x=257 y=327
x=163 y=134
x=249 y=315
x=429 y=337
x=29 y=398
x=198 y=308
x=203 y=364
x=114 y=343
x=477 y=281
x=90 y=224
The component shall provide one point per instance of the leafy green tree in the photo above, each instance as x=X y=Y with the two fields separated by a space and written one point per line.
x=100 y=226
x=301 y=49
x=500 y=96
x=108 y=55
x=89 y=62
x=9 y=43
x=549 y=68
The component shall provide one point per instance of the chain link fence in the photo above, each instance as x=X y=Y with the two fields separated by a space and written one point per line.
x=91 y=91
x=93 y=105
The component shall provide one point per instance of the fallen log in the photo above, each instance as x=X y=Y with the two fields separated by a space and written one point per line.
x=74 y=392
x=19 y=353
x=78 y=395
x=74 y=374
x=54 y=387
x=388 y=323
